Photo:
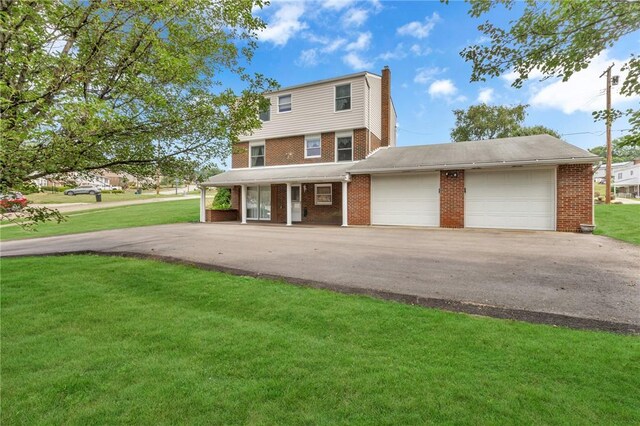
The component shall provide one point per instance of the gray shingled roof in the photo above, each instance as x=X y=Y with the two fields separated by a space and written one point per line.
x=538 y=149
x=306 y=173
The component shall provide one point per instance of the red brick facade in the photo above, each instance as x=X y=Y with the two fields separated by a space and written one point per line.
x=359 y=200
x=221 y=215
x=323 y=214
x=575 y=197
x=452 y=199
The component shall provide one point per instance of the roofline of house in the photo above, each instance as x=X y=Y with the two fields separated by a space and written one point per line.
x=327 y=80
x=467 y=166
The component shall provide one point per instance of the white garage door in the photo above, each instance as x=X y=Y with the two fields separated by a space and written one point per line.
x=405 y=200
x=515 y=199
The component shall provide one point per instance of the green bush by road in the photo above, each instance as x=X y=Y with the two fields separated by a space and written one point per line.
x=107 y=340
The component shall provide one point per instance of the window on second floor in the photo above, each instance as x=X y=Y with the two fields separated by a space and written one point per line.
x=620 y=175
x=312 y=146
x=284 y=103
x=256 y=155
x=343 y=97
x=344 y=143
x=265 y=114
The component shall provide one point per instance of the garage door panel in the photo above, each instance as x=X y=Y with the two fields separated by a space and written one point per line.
x=405 y=200
x=522 y=199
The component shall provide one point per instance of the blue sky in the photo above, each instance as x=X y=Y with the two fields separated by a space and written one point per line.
x=421 y=41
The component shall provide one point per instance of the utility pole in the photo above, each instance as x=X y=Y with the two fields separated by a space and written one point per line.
x=609 y=148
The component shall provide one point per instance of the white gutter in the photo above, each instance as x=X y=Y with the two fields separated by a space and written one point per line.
x=467 y=166
x=229 y=183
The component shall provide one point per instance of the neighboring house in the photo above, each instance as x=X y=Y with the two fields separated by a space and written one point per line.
x=326 y=154
x=600 y=174
x=626 y=179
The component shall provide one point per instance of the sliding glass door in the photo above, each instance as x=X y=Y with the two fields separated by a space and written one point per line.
x=259 y=202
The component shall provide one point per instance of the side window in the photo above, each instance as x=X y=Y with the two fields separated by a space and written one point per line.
x=343 y=97
x=344 y=144
x=257 y=155
x=265 y=115
x=284 y=103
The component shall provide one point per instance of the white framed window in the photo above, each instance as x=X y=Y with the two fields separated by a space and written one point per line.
x=631 y=173
x=312 y=146
x=344 y=146
x=265 y=114
x=284 y=103
x=259 y=202
x=323 y=195
x=256 y=154
x=620 y=175
x=343 y=97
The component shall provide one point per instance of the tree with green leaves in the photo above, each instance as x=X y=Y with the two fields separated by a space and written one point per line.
x=130 y=86
x=557 y=38
x=623 y=150
x=483 y=121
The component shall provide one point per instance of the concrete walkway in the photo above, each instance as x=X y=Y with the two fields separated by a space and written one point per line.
x=561 y=278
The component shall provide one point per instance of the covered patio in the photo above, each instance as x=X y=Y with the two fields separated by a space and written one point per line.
x=288 y=194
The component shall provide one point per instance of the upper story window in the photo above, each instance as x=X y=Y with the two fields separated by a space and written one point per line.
x=265 y=115
x=256 y=156
x=343 y=97
x=312 y=146
x=344 y=146
x=620 y=175
x=284 y=103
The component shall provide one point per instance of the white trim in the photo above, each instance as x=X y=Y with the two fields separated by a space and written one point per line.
x=203 y=203
x=282 y=166
x=258 y=143
x=314 y=136
x=290 y=103
x=243 y=204
x=335 y=97
x=345 y=212
x=289 y=204
x=342 y=135
x=315 y=194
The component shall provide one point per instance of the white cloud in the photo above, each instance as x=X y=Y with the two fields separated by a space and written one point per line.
x=398 y=53
x=284 y=24
x=354 y=17
x=419 y=29
x=584 y=89
x=356 y=62
x=425 y=75
x=485 y=96
x=308 y=58
x=442 y=89
x=417 y=50
x=334 y=45
x=336 y=4
x=361 y=43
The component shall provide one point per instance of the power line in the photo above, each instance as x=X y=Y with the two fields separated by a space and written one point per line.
x=598 y=133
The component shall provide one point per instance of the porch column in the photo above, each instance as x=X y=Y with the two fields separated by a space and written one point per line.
x=289 y=204
x=345 y=213
x=243 y=205
x=203 y=203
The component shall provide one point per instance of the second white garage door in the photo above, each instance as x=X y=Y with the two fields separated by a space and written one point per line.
x=405 y=199
x=514 y=199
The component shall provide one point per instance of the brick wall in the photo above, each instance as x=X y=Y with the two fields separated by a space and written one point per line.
x=359 y=200
x=328 y=147
x=575 y=199
x=322 y=214
x=240 y=155
x=385 y=106
x=279 y=203
x=236 y=193
x=360 y=148
x=452 y=199
x=221 y=215
x=375 y=142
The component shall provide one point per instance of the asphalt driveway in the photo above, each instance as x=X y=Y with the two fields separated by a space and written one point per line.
x=561 y=278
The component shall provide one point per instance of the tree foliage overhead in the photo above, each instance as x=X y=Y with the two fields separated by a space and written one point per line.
x=622 y=150
x=557 y=38
x=129 y=85
x=483 y=121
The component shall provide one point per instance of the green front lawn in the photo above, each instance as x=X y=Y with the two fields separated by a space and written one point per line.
x=107 y=340
x=620 y=221
x=112 y=218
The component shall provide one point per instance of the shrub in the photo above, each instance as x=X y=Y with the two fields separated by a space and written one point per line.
x=222 y=200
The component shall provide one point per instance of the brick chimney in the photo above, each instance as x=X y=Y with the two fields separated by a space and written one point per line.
x=385 y=106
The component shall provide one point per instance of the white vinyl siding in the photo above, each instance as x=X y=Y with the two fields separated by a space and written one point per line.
x=392 y=125
x=313 y=111
x=514 y=199
x=374 y=120
x=405 y=199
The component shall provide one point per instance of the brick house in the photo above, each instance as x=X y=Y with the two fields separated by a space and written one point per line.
x=327 y=154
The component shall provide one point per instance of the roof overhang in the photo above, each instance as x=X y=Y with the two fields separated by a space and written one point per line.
x=330 y=172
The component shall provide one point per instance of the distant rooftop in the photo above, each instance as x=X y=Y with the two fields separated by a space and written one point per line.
x=327 y=80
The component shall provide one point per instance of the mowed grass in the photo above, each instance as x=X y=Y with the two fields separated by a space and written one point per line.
x=107 y=340
x=620 y=221
x=111 y=218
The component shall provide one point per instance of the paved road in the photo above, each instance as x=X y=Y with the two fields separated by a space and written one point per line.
x=75 y=207
x=583 y=276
